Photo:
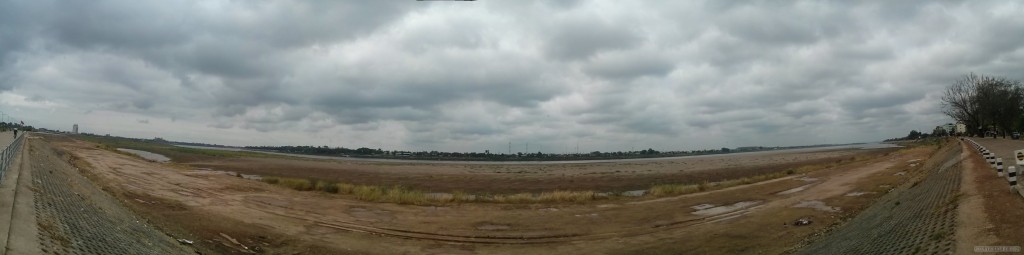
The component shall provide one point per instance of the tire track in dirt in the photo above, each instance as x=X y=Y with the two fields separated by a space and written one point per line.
x=919 y=218
x=496 y=239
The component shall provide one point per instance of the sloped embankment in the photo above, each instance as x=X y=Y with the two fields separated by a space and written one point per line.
x=916 y=218
x=76 y=217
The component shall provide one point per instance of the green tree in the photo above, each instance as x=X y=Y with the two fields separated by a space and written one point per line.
x=939 y=131
x=985 y=101
x=914 y=135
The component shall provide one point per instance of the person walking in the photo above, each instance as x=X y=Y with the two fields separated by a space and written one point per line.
x=15 y=132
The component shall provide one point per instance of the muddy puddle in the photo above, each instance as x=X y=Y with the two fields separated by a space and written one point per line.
x=817 y=205
x=147 y=155
x=232 y=173
x=794 y=190
x=807 y=179
x=634 y=193
x=724 y=209
x=858 y=193
x=444 y=196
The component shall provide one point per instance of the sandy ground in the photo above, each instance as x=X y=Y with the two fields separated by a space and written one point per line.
x=209 y=207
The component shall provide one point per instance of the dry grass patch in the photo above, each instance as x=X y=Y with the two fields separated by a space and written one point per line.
x=404 y=195
x=662 y=190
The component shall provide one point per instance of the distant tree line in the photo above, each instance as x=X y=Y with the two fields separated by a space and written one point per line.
x=364 y=152
x=318 y=150
x=488 y=156
x=435 y=155
x=987 y=105
x=7 y=126
x=914 y=135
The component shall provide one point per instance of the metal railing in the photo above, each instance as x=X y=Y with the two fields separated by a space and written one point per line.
x=8 y=154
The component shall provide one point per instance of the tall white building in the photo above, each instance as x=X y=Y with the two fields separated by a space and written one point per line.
x=74 y=129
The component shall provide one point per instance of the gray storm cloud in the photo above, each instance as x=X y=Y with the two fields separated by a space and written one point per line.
x=608 y=75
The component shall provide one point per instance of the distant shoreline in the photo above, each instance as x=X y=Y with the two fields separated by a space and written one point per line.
x=874 y=145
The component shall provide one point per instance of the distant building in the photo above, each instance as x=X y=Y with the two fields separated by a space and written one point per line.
x=949 y=128
x=74 y=129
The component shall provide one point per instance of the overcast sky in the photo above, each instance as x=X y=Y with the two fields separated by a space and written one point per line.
x=472 y=76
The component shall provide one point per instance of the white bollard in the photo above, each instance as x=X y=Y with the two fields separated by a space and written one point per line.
x=1011 y=175
x=999 y=167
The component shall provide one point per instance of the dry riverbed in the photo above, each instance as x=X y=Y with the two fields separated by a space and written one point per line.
x=227 y=214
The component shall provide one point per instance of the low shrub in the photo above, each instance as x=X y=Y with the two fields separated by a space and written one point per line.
x=270 y=180
x=460 y=196
x=296 y=184
x=329 y=187
x=345 y=188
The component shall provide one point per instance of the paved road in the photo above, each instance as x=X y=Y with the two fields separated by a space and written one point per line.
x=1003 y=148
x=915 y=219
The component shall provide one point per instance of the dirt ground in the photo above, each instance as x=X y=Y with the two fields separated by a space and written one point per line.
x=500 y=178
x=997 y=223
x=226 y=214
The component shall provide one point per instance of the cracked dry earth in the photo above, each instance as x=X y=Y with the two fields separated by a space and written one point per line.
x=76 y=217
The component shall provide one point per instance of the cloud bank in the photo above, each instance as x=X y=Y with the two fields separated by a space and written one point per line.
x=474 y=76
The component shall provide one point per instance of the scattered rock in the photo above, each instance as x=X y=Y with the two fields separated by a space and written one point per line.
x=185 y=241
x=802 y=222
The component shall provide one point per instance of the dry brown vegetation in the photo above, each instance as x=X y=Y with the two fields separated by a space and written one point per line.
x=404 y=195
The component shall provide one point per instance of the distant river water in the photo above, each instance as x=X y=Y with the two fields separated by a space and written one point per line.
x=147 y=155
x=865 y=146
